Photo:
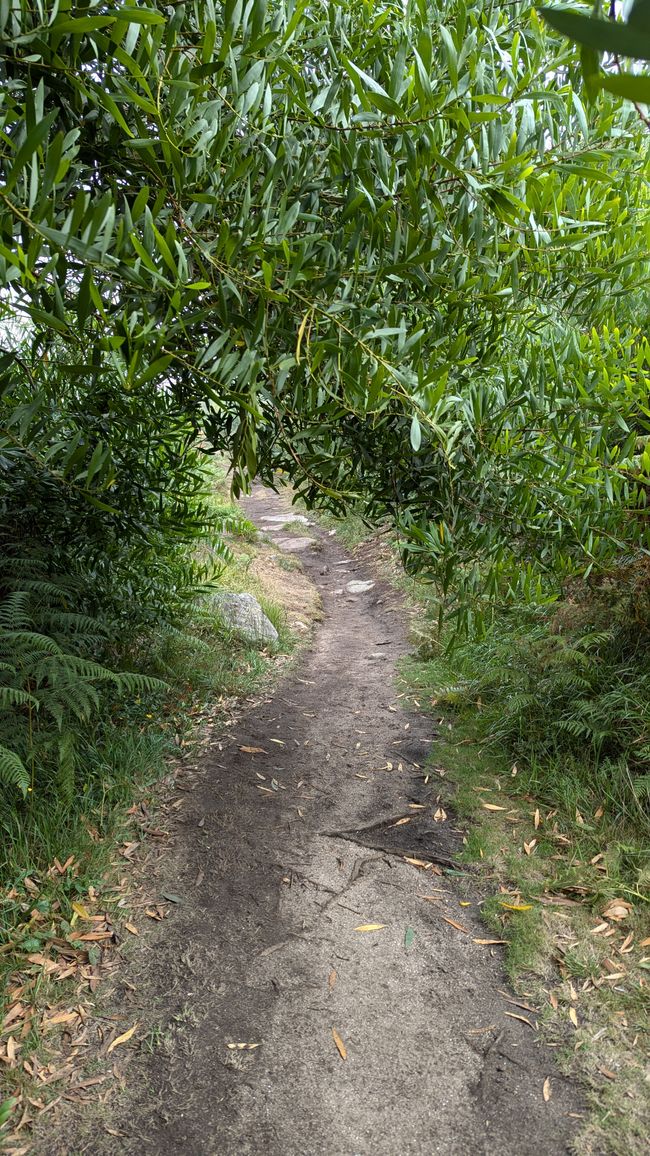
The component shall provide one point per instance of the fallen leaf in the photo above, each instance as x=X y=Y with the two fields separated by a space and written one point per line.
x=538 y=818
x=464 y=903
x=59 y=1018
x=607 y=1072
x=242 y=1047
x=401 y=822
x=339 y=1044
x=423 y=864
x=370 y=927
x=409 y=936
x=487 y=942
x=617 y=909
x=439 y=816
x=170 y=897
x=331 y=980
x=493 y=807
x=254 y=750
x=517 y=906
x=553 y=1000
x=132 y=928
x=530 y=847
x=546 y=1090
x=573 y=1016
x=123 y=1039
x=645 y=942
x=524 y=1020
x=155 y=912
x=81 y=910
x=458 y=926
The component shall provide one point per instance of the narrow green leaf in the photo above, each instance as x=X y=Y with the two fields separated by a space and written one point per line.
x=600 y=35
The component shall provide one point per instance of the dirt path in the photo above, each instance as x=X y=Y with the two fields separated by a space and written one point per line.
x=263 y=949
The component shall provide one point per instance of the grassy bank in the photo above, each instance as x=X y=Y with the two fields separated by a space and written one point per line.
x=64 y=895
x=542 y=755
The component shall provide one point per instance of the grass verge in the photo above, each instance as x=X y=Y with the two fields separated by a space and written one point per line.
x=542 y=755
x=64 y=863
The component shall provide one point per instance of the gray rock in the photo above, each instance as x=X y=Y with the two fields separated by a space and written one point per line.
x=295 y=545
x=285 y=519
x=359 y=587
x=243 y=614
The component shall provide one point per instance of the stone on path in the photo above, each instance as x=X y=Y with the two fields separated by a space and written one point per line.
x=285 y=519
x=359 y=587
x=294 y=545
x=243 y=614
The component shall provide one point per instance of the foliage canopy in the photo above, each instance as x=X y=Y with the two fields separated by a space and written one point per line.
x=383 y=247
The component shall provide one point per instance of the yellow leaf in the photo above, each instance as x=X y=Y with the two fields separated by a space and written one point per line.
x=301 y=334
x=573 y=1016
x=370 y=927
x=517 y=906
x=81 y=911
x=493 y=807
x=339 y=1044
x=523 y=1019
x=458 y=926
x=546 y=1090
x=123 y=1039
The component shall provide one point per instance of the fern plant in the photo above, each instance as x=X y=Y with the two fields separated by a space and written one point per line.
x=48 y=682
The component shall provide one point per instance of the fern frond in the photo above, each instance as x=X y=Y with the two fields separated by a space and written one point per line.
x=14 y=696
x=13 y=771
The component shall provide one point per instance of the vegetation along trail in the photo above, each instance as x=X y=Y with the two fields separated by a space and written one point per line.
x=400 y=1039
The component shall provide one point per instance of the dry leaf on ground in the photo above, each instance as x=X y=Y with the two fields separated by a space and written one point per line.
x=123 y=1039
x=342 y=1050
x=458 y=926
x=546 y=1090
x=370 y=927
x=617 y=909
x=524 y=1020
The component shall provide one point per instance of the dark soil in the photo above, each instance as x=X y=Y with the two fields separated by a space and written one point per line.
x=279 y=856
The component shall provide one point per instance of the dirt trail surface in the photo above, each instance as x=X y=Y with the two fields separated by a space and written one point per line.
x=262 y=949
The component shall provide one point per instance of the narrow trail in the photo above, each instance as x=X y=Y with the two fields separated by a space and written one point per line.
x=272 y=894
